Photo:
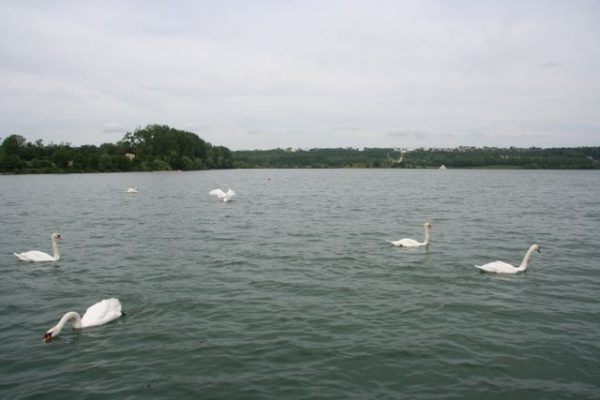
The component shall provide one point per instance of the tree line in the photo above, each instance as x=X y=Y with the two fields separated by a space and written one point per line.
x=153 y=148
x=460 y=157
x=159 y=147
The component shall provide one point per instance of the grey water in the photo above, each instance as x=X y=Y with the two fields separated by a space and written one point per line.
x=292 y=290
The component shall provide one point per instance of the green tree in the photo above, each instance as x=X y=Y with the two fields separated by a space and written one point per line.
x=105 y=162
x=13 y=144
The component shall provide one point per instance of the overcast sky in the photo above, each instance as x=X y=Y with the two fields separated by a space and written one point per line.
x=263 y=74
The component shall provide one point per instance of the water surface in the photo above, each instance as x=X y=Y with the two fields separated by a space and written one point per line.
x=291 y=290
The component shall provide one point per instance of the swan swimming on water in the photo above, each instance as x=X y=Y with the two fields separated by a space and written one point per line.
x=500 y=267
x=99 y=314
x=38 y=256
x=132 y=190
x=221 y=195
x=412 y=242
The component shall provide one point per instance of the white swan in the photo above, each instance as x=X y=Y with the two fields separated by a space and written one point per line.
x=412 y=242
x=132 y=190
x=38 y=256
x=221 y=195
x=99 y=314
x=500 y=267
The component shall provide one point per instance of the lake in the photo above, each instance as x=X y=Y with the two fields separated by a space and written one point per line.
x=292 y=290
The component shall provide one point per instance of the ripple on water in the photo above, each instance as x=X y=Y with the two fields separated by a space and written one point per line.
x=295 y=293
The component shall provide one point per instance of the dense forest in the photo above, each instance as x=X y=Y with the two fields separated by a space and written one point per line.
x=460 y=157
x=159 y=147
x=153 y=148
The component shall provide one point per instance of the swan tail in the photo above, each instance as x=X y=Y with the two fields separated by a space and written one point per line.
x=20 y=257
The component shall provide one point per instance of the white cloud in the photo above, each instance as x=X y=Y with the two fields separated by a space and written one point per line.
x=304 y=73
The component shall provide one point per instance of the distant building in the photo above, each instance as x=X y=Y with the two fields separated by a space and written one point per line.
x=131 y=156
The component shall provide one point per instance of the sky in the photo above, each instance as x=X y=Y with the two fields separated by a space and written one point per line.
x=252 y=74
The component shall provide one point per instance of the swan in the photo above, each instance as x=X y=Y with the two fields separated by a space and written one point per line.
x=99 y=314
x=500 y=267
x=412 y=242
x=221 y=195
x=38 y=256
x=132 y=190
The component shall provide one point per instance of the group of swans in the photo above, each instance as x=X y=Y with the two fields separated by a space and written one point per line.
x=98 y=314
x=38 y=256
x=104 y=311
x=108 y=310
x=221 y=195
x=498 y=267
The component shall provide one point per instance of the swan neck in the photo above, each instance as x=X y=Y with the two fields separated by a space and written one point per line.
x=426 y=242
x=525 y=262
x=55 y=252
x=71 y=315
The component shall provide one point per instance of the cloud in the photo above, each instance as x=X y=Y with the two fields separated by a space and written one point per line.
x=550 y=64
x=112 y=127
x=343 y=73
x=416 y=133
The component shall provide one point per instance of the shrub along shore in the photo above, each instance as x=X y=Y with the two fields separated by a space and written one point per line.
x=160 y=148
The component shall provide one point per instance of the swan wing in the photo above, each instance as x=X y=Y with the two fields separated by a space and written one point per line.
x=101 y=313
x=230 y=193
x=34 y=256
x=406 y=243
x=499 y=267
x=217 y=192
x=21 y=257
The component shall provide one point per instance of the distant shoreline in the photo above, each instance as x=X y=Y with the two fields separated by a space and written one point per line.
x=579 y=158
x=484 y=168
x=161 y=148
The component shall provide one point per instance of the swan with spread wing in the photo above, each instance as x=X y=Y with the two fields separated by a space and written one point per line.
x=221 y=195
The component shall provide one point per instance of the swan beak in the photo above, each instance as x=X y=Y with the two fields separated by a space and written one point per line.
x=47 y=337
x=539 y=249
